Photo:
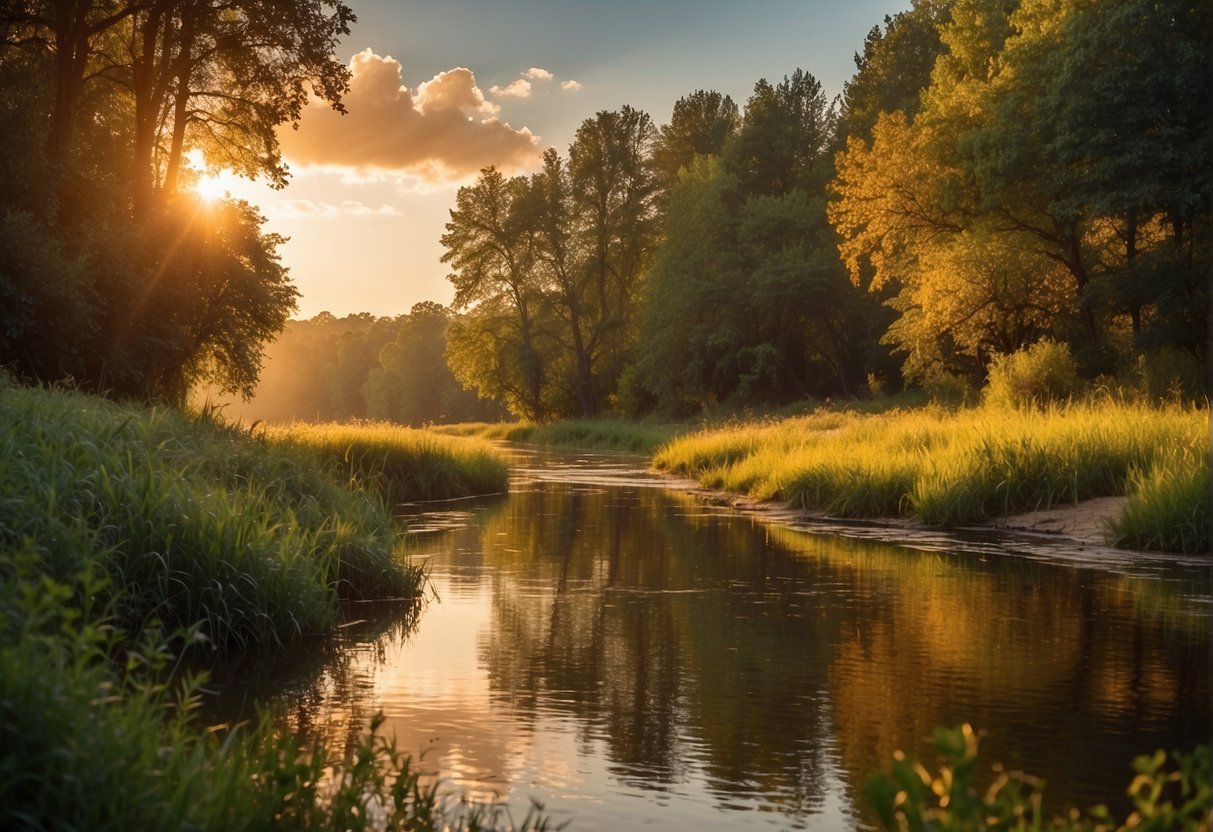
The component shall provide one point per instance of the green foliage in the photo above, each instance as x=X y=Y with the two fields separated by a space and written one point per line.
x=91 y=741
x=1046 y=185
x=1038 y=375
x=550 y=269
x=912 y=799
x=111 y=274
x=747 y=302
x=895 y=66
x=192 y=523
x=1168 y=505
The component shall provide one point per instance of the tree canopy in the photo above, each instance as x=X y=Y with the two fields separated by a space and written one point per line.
x=101 y=103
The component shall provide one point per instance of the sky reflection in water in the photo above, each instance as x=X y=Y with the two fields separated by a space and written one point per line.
x=628 y=655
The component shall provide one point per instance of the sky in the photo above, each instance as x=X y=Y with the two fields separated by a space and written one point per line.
x=441 y=90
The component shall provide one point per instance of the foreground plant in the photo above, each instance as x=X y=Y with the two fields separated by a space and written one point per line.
x=92 y=737
x=911 y=799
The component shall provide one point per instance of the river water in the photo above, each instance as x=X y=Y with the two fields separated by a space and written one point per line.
x=632 y=656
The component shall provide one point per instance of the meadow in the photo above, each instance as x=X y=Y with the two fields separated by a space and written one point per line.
x=596 y=434
x=403 y=464
x=962 y=467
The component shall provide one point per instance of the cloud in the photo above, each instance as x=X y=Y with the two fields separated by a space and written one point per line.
x=443 y=132
x=303 y=208
x=519 y=89
x=522 y=88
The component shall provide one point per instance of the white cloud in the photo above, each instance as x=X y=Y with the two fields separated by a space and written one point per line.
x=538 y=74
x=518 y=89
x=303 y=208
x=443 y=132
x=570 y=86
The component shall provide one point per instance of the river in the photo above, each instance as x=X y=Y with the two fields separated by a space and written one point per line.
x=630 y=655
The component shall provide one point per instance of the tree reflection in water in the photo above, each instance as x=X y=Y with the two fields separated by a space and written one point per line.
x=627 y=653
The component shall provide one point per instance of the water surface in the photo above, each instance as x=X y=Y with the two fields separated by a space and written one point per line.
x=630 y=656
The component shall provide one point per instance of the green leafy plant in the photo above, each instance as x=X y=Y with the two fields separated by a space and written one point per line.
x=911 y=799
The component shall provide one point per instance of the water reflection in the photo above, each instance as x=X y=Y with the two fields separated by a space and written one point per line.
x=628 y=654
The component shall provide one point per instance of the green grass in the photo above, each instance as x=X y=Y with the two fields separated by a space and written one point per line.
x=403 y=464
x=90 y=738
x=127 y=537
x=1168 y=506
x=192 y=522
x=597 y=434
x=952 y=468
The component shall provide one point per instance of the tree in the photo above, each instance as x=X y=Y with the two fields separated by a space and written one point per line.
x=490 y=244
x=110 y=96
x=700 y=125
x=614 y=229
x=894 y=68
x=747 y=301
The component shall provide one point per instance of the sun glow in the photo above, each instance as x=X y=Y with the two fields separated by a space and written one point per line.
x=210 y=183
x=210 y=187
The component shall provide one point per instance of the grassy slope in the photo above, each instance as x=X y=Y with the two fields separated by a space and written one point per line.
x=124 y=534
x=954 y=468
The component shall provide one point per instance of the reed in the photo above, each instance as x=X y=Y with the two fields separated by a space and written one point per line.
x=402 y=464
x=959 y=467
x=1168 y=506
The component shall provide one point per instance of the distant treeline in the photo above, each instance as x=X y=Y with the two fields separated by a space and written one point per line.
x=996 y=174
x=361 y=367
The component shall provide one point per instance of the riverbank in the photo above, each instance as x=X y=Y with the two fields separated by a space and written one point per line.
x=949 y=469
x=131 y=536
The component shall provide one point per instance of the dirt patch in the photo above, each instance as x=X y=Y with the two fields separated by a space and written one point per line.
x=1085 y=521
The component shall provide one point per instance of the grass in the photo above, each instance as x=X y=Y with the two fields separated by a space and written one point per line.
x=90 y=741
x=193 y=523
x=130 y=535
x=953 y=468
x=600 y=434
x=403 y=464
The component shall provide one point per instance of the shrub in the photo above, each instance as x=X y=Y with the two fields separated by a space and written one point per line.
x=911 y=798
x=1041 y=374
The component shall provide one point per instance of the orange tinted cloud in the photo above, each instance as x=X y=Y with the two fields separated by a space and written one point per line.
x=442 y=132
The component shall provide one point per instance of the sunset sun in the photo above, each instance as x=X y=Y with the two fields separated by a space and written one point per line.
x=211 y=188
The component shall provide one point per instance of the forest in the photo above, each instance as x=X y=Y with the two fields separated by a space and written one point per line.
x=996 y=174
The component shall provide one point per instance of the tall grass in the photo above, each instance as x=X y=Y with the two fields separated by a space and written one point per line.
x=959 y=467
x=401 y=463
x=193 y=522
x=599 y=434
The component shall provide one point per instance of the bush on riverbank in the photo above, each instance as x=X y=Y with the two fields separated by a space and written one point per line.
x=402 y=464
x=956 y=468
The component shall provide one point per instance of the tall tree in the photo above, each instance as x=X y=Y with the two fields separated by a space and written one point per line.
x=490 y=244
x=614 y=229
x=700 y=125
x=894 y=68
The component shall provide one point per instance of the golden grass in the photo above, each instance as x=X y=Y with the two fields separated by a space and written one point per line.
x=405 y=464
x=945 y=467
